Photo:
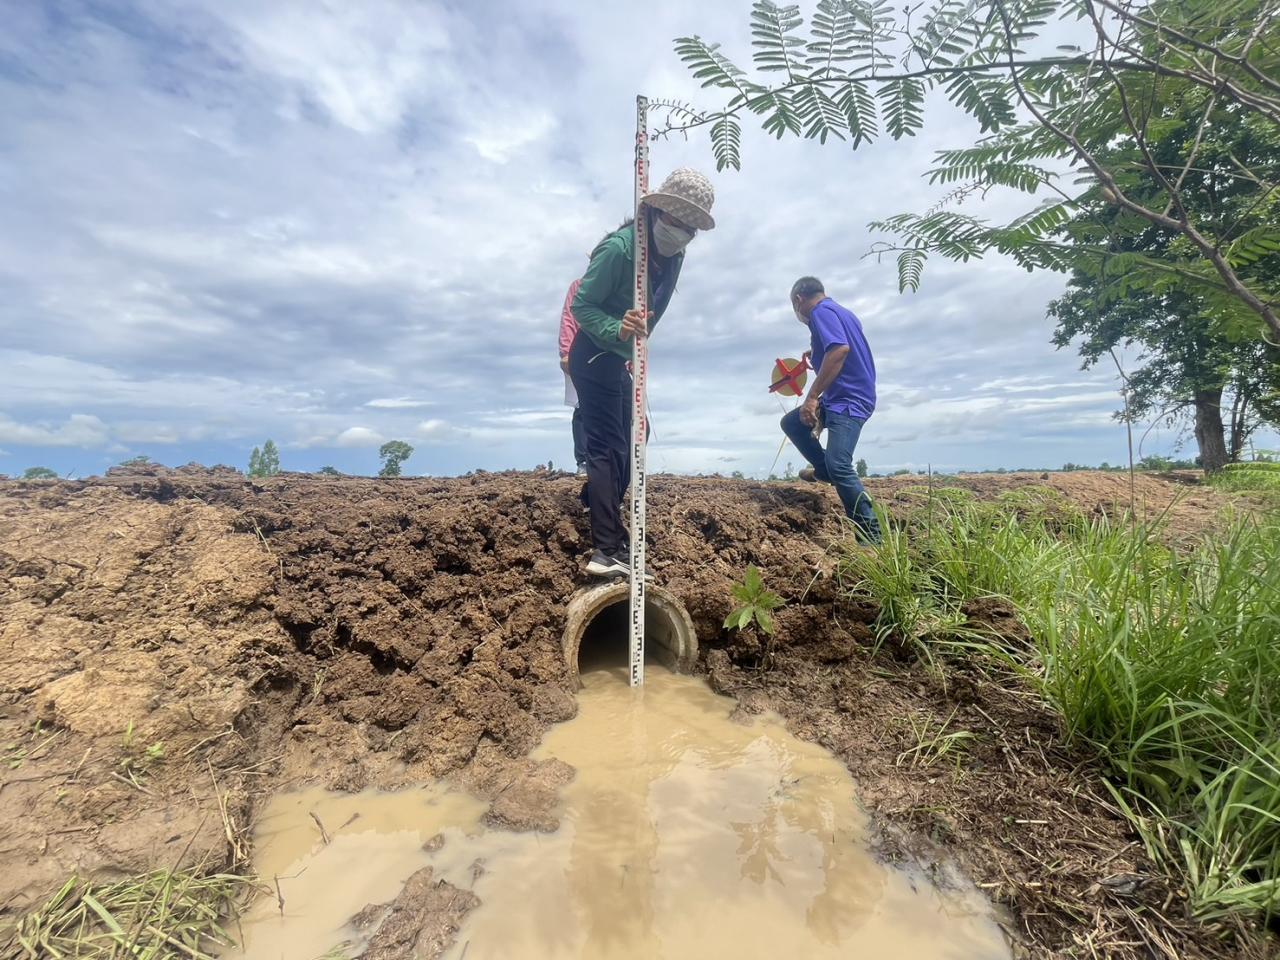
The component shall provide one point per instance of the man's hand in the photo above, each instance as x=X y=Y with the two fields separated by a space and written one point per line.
x=564 y=364
x=634 y=324
x=807 y=356
x=809 y=411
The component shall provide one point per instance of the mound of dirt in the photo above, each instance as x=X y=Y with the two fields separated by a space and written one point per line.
x=178 y=644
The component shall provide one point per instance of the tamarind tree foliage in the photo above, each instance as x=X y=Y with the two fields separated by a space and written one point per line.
x=1150 y=151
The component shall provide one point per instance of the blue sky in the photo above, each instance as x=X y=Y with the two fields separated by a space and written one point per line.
x=334 y=224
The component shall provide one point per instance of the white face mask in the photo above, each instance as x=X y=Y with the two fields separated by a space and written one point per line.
x=668 y=239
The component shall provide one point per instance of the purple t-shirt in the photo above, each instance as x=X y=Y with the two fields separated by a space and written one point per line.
x=853 y=392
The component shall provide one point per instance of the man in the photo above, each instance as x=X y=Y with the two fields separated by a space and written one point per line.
x=672 y=215
x=843 y=395
x=568 y=331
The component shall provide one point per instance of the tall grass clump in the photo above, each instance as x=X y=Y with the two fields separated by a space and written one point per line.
x=1166 y=662
x=896 y=576
x=1169 y=665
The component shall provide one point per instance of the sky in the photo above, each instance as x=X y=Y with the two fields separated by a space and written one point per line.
x=335 y=224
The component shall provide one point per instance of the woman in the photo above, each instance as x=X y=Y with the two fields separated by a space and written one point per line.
x=672 y=214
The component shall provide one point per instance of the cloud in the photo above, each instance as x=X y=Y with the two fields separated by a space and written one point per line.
x=359 y=437
x=440 y=431
x=318 y=221
x=398 y=403
x=80 y=430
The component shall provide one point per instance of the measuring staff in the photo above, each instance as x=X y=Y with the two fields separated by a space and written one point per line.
x=607 y=321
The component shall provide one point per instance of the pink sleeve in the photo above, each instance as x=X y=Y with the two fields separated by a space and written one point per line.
x=568 y=325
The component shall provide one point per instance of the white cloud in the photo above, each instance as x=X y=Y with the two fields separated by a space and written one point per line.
x=398 y=403
x=80 y=430
x=440 y=431
x=498 y=138
x=365 y=63
x=358 y=437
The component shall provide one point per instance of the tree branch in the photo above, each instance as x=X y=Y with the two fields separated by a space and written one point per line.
x=1209 y=251
x=1241 y=61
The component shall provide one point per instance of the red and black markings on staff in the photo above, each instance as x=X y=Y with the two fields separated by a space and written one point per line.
x=639 y=373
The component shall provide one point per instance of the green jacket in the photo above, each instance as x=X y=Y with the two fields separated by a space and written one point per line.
x=606 y=291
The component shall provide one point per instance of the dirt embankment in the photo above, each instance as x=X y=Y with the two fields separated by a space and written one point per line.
x=174 y=645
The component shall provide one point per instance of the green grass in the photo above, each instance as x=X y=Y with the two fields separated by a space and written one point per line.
x=1167 y=663
x=154 y=916
x=1248 y=477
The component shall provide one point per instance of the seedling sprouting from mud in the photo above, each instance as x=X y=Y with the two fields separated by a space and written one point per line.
x=755 y=611
x=136 y=762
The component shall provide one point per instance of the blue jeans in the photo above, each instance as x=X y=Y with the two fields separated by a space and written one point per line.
x=835 y=464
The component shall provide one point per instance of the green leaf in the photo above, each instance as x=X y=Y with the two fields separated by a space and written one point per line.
x=753 y=581
x=820 y=113
x=910 y=269
x=707 y=63
x=834 y=30
x=1254 y=245
x=765 y=621
x=987 y=100
x=859 y=108
x=771 y=35
x=903 y=101
x=781 y=117
x=726 y=136
x=103 y=913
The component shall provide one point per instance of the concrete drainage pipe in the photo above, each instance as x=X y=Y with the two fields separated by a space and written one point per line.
x=596 y=632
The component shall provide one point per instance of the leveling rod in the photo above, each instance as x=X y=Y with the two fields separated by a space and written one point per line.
x=639 y=374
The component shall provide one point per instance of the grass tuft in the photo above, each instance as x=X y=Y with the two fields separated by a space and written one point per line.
x=154 y=916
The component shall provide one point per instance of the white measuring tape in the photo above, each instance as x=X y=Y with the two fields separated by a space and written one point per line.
x=639 y=373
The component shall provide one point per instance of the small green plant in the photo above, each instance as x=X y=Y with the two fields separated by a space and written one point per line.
x=755 y=604
x=755 y=611
x=935 y=742
x=136 y=763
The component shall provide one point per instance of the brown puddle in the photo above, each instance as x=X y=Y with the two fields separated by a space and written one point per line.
x=685 y=833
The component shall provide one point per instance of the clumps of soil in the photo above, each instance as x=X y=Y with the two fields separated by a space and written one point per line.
x=378 y=633
x=421 y=922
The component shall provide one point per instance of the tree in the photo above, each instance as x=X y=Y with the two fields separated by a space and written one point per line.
x=38 y=473
x=330 y=471
x=393 y=453
x=864 y=63
x=861 y=467
x=1191 y=353
x=141 y=460
x=264 y=462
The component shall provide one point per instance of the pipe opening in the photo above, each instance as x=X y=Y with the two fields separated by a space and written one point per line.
x=597 y=631
x=604 y=643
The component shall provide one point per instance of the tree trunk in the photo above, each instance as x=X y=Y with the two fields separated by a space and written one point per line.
x=1209 y=433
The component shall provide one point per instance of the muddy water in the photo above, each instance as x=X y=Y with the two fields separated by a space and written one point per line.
x=685 y=833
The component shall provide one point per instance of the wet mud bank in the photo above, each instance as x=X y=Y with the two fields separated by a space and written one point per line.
x=178 y=646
